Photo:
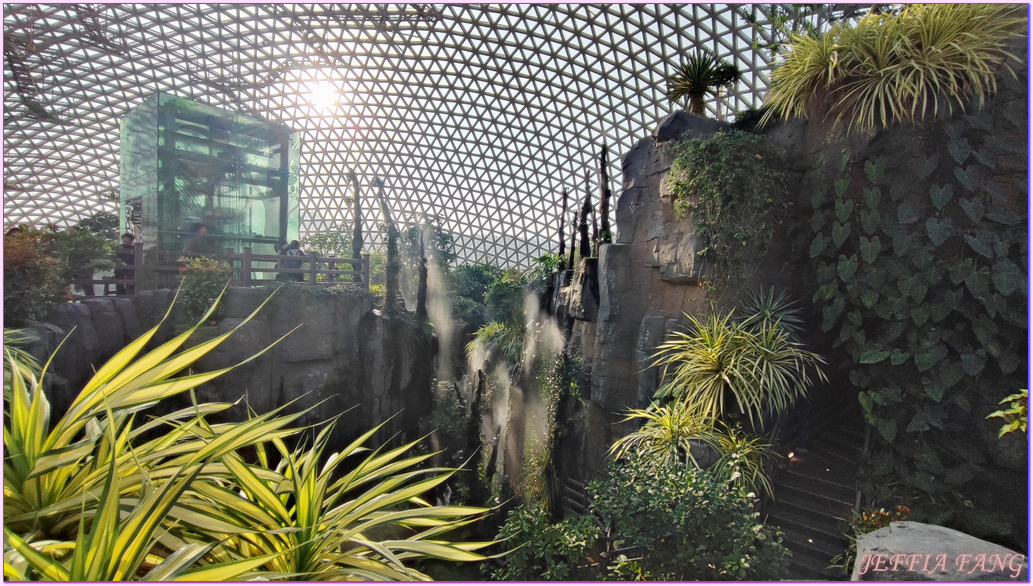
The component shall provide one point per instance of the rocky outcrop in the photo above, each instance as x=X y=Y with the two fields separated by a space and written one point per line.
x=909 y=551
x=337 y=355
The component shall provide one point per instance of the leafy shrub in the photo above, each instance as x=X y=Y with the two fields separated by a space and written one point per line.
x=891 y=68
x=862 y=523
x=544 y=550
x=82 y=253
x=32 y=275
x=687 y=523
x=203 y=282
x=721 y=360
x=729 y=183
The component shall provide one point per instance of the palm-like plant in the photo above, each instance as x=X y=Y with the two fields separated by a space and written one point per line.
x=310 y=521
x=721 y=367
x=667 y=434
x=742 y=460
x=890 y=68
x=701 y=75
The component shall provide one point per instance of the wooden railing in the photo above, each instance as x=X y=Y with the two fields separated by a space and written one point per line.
x=164 y=268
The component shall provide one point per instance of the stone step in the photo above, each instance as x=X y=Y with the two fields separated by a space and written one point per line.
x=801 y=542
x=825 y=531
x=837 y=507
x=826 y=486
x=817 y=519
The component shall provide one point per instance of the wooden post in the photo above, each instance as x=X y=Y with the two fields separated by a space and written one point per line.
x=365 y=271
x=312 y=269
x=245 y=267
x=138 y=268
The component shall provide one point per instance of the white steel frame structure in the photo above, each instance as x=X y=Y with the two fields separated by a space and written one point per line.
x=474 y=116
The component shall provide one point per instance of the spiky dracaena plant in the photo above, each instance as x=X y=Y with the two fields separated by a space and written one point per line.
x=667 y=434
x=720 y=367
x=696 y=78
x=890 y=68
x=355 y=515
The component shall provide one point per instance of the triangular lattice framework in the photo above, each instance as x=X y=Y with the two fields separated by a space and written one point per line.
x=476 y=116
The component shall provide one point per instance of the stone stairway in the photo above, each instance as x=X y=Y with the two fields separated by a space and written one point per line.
x=815 y=492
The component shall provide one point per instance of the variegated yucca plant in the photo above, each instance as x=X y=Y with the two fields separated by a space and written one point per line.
x=96 y=497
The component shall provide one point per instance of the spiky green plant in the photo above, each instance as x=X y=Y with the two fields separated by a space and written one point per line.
x=742 y=460
x=334 y=518
x=667 y=435
x=890 y=68
x=764 y=309
x=53 y=471
x=499 y=339
x=699 y=76
x=720 y=367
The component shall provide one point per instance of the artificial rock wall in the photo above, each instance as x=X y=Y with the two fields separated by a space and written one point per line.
x=342 y=356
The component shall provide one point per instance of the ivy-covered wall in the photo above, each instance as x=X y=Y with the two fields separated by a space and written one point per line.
x=920 y=253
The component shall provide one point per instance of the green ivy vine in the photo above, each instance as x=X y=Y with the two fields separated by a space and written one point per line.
x=920 y=251
x=729 y=183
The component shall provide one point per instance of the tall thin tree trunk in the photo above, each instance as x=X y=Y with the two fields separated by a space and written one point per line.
x=586 y=244
x=356 y=229
x=421 y=288
x=393 y=301
x=563 y=237
x=604 y=205
x=595 y=220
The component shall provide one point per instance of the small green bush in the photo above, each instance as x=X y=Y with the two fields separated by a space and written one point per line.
x=203 y=281
x=545 y=551
x=728 y=183
x=32 y=275
x=688 y=523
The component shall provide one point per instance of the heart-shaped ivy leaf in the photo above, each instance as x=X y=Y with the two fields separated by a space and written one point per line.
x=873 y=356
x=973 y=363
x=924 y=167
x=938 y=231
x=982 y=243
x=941 y=195
x=819 y=244
x=933 y=389
x=965 y=177
x=920 y=315
x=927 y=359
x=907 y=214
x=950 y=373
x=872 y=196
x=840 y=233
x=973 y=209
x=869 y=221
x=870 y=249
x=897 y=357
x=888 y=429
x=843 y=209
x=847 y=267
x=869 y=299
x=959 y=149
x=874 y=170
x=1007 y=277
x=1002 y=214
x=841 y=186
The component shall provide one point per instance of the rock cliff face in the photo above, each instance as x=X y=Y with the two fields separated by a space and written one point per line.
x=648 y=279
x=338 y=355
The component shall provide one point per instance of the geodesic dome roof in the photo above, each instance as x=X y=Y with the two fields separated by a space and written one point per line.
x=474 y=116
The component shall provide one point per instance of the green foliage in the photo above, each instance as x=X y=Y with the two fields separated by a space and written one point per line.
x=96 y=497
x=726 y=366
x=499 y=340
x=505 y=299
x=468 y=285
x=862 y=523
x=925 y=290
x=332 y=242
x=889 y=68
x=203 y=282
x=103 y=224
x=537 y=277
x=669 y=433
x=1016 y=416
x=699 y=76
x=730 y=184
x=544 y=550
x=32 y=275
x=378 y=292
x=81 y=253
x=687 y=523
